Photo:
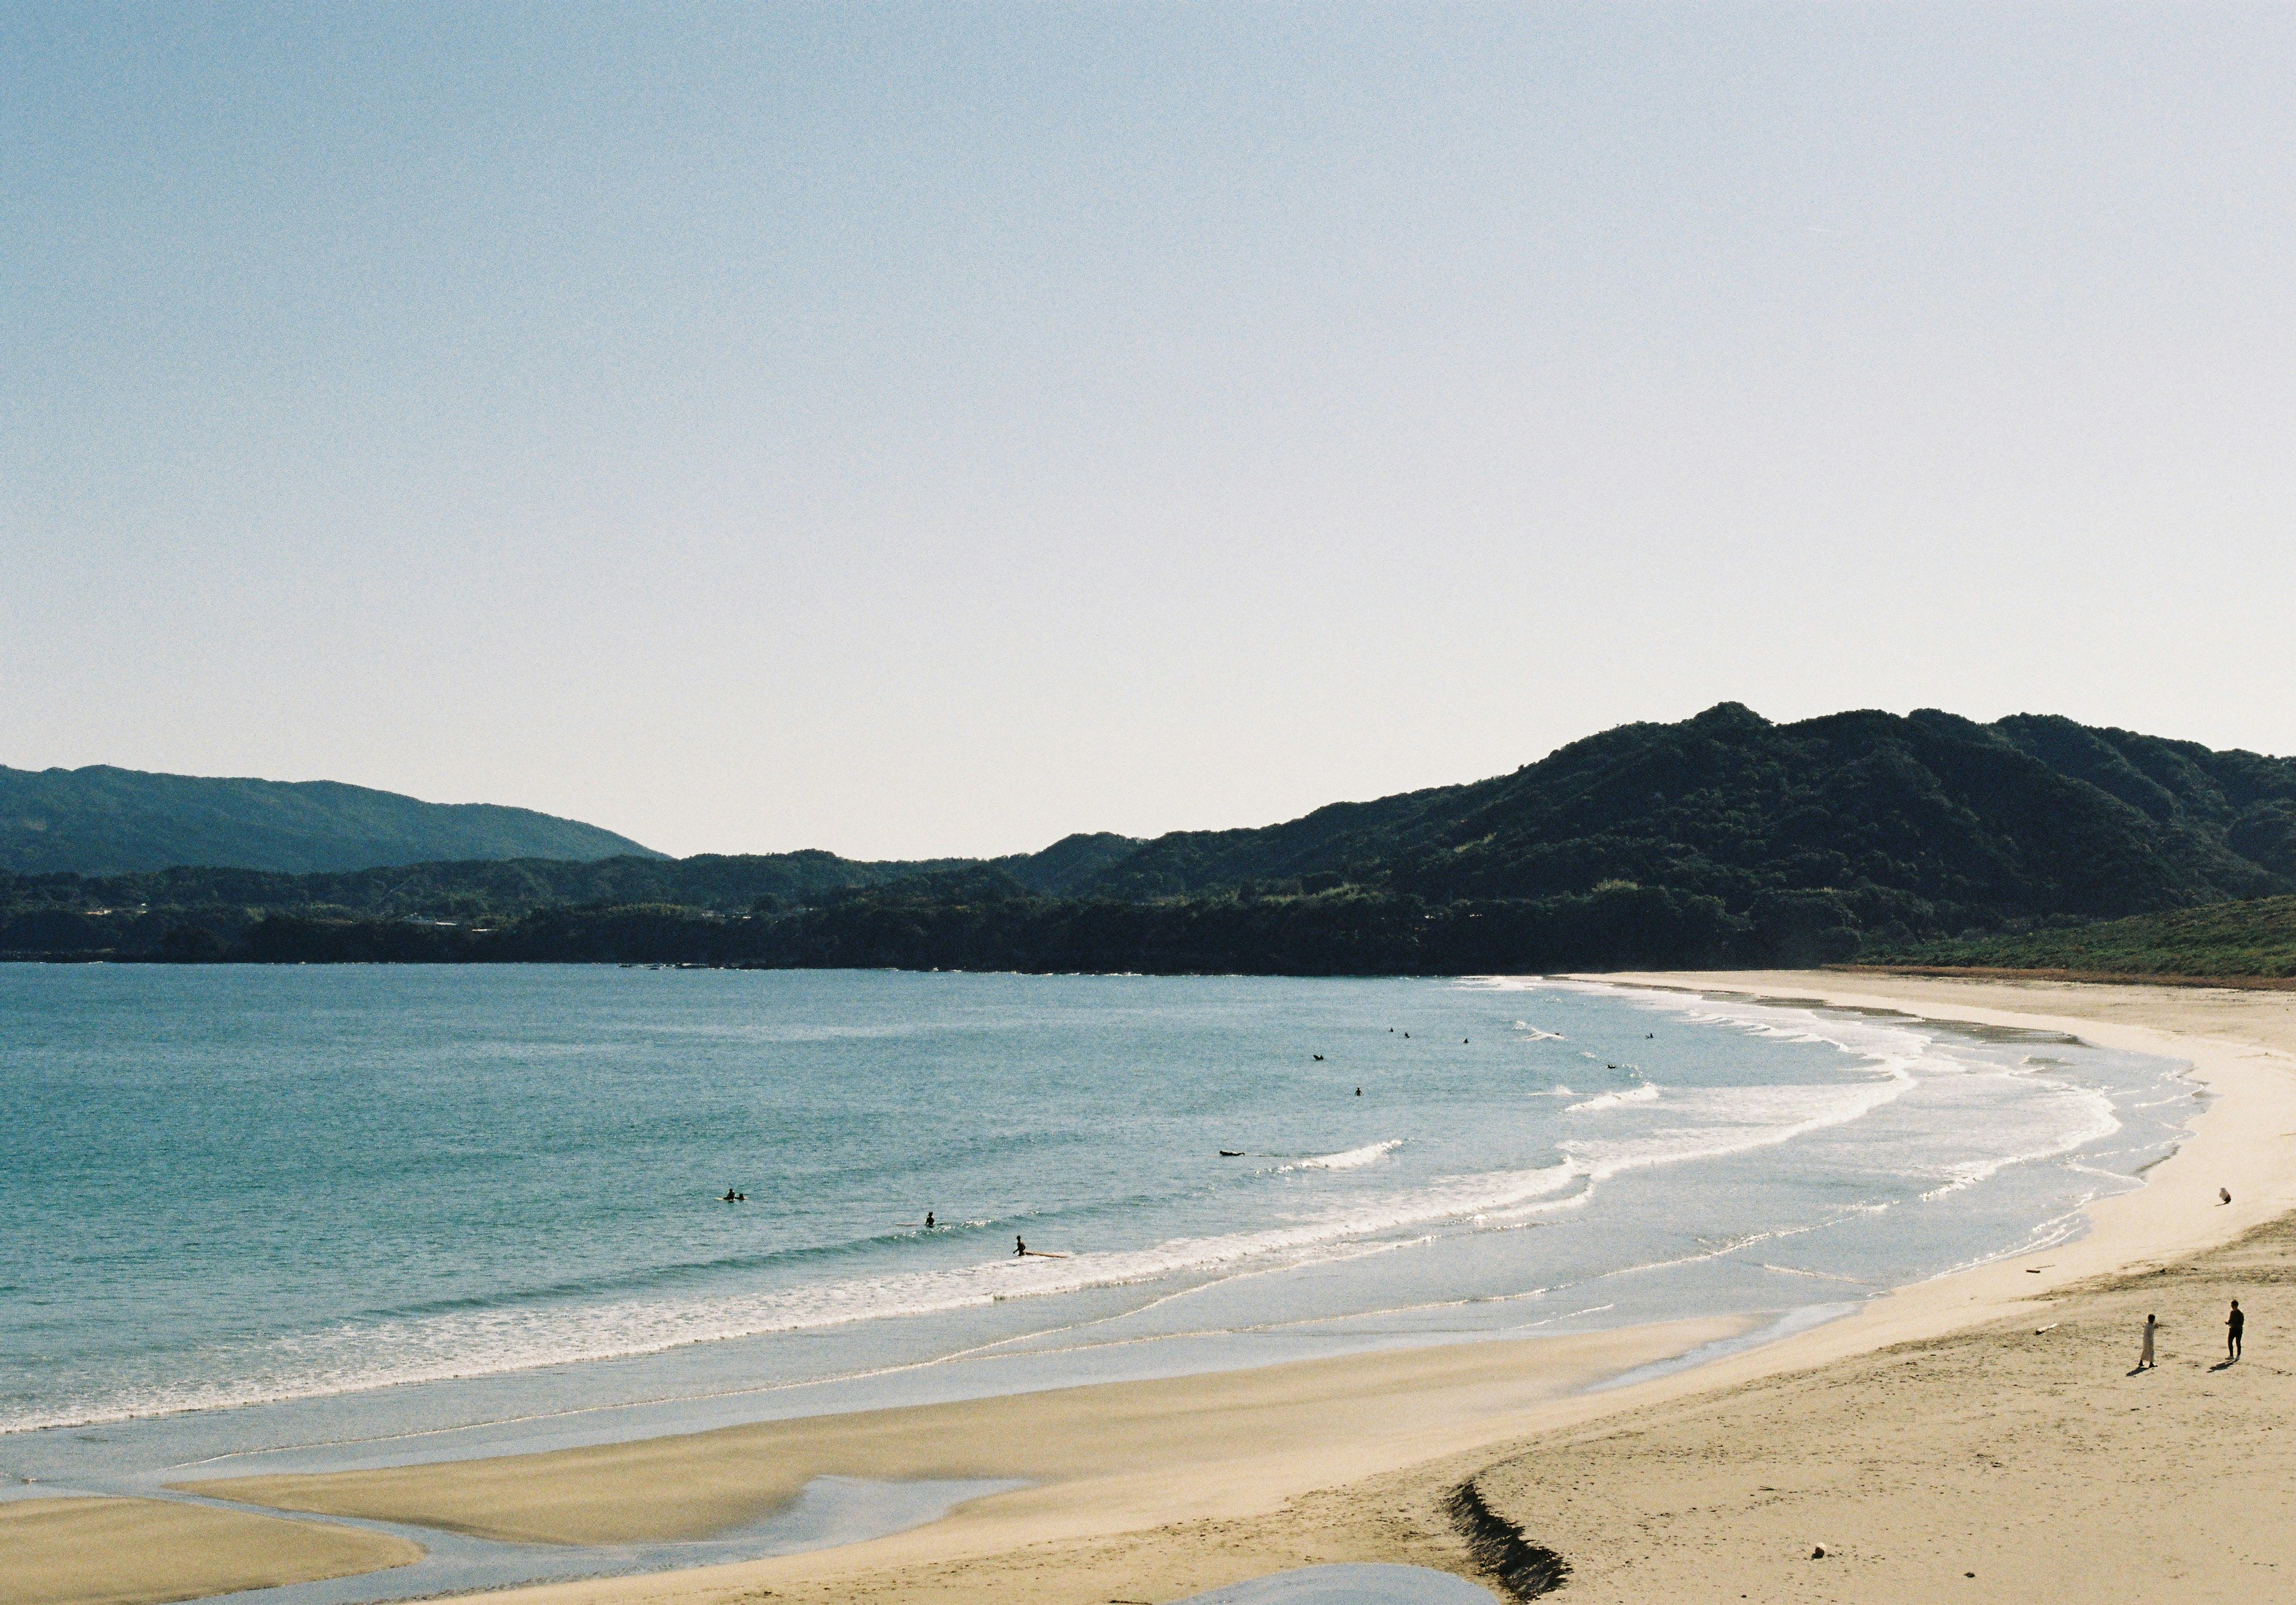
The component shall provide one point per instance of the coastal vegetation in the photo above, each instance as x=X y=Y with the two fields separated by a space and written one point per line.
x=1721 y=840
x=2255 y=937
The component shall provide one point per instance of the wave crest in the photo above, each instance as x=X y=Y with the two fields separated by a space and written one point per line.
x=1351 y=1158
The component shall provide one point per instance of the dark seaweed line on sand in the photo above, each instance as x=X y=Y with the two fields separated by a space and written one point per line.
x=1523 y=1568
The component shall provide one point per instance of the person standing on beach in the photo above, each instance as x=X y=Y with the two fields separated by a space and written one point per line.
x=2144 y=1360
x=2233 y=1323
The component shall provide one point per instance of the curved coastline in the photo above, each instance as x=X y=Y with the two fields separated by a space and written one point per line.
x=2238 y=1141
x=1232 y=1457
x=2233 y=1142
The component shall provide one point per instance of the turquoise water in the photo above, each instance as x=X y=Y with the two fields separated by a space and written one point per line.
x=261 y=1206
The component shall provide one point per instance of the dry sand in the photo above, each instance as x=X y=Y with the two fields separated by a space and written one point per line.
x=138 y=1552
x=1932 y=1435
x=2033 y=1458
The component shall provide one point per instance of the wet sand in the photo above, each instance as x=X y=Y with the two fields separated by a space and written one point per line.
x=1101 y=1457
x=138 y=1552
x=2032 y=1459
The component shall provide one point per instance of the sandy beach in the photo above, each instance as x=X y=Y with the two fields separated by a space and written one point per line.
x=1101 y=1457
x=137 y=1551
x=1981 y=1422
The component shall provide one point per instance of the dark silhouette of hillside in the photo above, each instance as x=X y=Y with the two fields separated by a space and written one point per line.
x=101 y=821
x=1929 y=821
x=1724 y=838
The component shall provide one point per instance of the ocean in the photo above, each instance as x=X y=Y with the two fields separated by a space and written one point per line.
x=348 y=1214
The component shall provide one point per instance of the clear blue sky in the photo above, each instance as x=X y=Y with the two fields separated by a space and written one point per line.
x=936 y=428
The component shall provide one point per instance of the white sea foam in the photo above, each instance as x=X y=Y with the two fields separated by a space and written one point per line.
x=354 y=1358
x=1902 y=1053
x=1353 y=1159
x=1535 y=1035
x=2095 y=1121
x=1645 y=1093
x=1738 y=1119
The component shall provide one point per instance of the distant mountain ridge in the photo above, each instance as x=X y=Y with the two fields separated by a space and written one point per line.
x=1720 y=840
x=1928 y=818
x=103 y=821
x=509 y=886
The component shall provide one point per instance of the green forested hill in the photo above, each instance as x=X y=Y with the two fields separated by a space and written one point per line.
x=2245 y=803
x=1725 y=838
x=101 y=821
x=1928 y=821
x=131 y=915
x=507 y=888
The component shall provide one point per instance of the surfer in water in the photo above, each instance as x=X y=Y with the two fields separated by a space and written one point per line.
x=929 y=1220
x=1019 y=1248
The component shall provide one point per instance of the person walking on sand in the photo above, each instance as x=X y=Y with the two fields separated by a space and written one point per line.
x=2233 y=1323
x=2144 y=1360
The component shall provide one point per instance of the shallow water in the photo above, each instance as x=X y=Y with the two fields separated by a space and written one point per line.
x=312 y=1211
x=829 y=1512
x=1349 y=1585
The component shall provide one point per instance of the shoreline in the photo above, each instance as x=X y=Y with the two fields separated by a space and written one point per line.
x=1206 y=1445
x=2230 y=1143
x=1004 y=1541
x=2233 y=1142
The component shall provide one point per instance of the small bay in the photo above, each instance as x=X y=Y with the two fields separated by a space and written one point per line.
x=253 y=1208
